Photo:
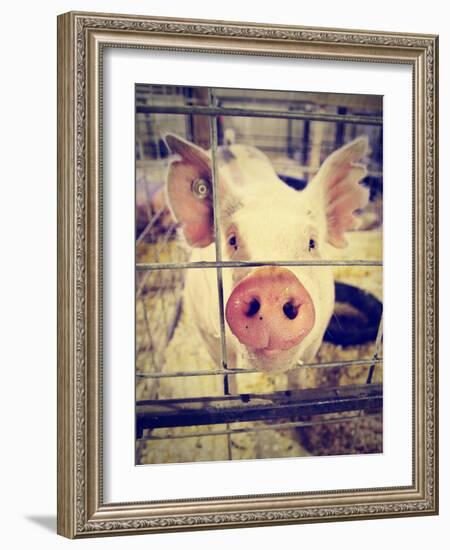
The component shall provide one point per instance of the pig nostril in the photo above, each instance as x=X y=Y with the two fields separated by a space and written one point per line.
x=290 y=310
x=253 y=308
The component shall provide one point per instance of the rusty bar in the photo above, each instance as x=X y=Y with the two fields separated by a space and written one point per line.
x=331 y=364
x=206 y=265
x=259 y=113
x=170 y=413
x=264 y=427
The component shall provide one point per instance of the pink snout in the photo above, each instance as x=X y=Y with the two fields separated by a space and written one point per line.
x=270 y=310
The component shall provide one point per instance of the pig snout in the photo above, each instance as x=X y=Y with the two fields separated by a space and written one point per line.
x=270 y=310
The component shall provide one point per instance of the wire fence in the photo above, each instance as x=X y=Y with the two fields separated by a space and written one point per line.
x=162 y=263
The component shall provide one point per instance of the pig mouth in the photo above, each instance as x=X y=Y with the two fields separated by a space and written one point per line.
x=272 y=359
x=270 y=353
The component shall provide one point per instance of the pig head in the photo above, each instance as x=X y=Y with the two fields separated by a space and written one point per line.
x=276 y=316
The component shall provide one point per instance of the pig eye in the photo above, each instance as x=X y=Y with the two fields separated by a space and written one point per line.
x=311 y=245
x=232 y=241
x=200 y=188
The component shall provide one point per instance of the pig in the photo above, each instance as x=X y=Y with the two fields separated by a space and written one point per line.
x=275 y=317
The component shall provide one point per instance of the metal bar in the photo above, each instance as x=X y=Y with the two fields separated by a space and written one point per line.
x=304 y=168
x=302 y=102
x=221 y=264
x=373 y=363
x=376 y=353
x=150 y=224
x=212 y=100
x=310 y=99
x=217 y=237
x=259 y=113
x=280 y=426
x=217 y=240
x=172 y=413
x=181 y=374
x=245 y=398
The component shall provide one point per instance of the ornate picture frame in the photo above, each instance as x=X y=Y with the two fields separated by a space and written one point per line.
x=82 y=39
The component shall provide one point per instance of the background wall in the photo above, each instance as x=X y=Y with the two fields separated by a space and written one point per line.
x=28 y=274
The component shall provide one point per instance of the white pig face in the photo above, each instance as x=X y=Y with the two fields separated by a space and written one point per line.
x=275 y=314
x=280 y=224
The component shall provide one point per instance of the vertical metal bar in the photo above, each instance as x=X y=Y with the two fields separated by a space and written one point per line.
x=189 y=119
x=371 y=372
x=289 y=139
x=304 y=147
x=217 y=231
x=340 y=128
x=374 y=363
x=317 y=134
x=229 y=447
x=376 y=352
x=212 y=100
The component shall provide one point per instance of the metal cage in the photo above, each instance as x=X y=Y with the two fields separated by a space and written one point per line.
x=203 y=115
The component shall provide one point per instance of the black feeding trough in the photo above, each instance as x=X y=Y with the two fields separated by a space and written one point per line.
x=357 y=315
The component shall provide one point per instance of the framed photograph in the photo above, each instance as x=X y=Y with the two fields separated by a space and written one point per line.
x=247 y=284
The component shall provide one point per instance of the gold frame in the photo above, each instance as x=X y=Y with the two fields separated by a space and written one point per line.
x=81 y=37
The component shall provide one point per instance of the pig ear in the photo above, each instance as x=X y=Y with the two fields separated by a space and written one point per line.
x=339 y=179
x=189 y=191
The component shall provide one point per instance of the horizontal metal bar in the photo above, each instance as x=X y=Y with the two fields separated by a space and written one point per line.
x=310 y=98
x=305 y=394
x=265 y=427
x=181 y=374
x=205 y=265
x=172 y=413
x=260 y=113
x=149 y=161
